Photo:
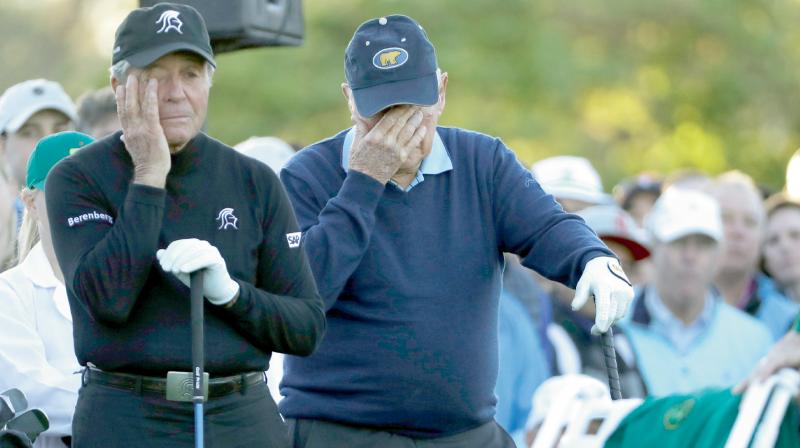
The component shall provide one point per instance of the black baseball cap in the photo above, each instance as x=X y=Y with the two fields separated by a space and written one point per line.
x=150 y=33
x=390 y=61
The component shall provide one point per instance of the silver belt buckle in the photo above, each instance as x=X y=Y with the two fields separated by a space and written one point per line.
x=180 y=387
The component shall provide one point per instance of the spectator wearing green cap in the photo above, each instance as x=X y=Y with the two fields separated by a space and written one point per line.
x=36 y=348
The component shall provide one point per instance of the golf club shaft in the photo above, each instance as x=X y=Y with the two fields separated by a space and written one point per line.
x=198 y=361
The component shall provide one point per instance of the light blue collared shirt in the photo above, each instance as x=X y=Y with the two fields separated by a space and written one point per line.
x=665 y=323
x=438 y=161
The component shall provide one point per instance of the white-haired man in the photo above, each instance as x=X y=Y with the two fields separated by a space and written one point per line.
x=410 y=354
x=739 y=280
x=133 y=214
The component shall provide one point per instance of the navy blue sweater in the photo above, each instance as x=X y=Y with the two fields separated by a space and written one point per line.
x=411 y=282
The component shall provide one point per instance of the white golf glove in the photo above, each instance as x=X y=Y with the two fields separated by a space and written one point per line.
x=603 y=277
x=182 y=257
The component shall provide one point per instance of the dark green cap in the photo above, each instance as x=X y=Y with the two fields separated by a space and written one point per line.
x=49 y=151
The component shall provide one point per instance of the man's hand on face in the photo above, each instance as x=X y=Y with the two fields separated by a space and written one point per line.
x=380 y=152
x=137 y=106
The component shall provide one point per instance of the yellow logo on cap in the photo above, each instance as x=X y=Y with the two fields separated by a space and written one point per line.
x=390 y=58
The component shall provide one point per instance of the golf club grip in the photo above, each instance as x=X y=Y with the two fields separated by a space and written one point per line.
x=610 y=357
x=198 y=361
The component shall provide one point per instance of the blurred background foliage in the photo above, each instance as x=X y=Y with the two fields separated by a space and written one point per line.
x=631 y=85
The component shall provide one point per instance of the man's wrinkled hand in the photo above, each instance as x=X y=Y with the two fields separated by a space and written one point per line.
x=786 y=353
x=137 y=107
x=380 y=152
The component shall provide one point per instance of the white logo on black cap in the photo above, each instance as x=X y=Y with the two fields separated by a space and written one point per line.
x=169 y=21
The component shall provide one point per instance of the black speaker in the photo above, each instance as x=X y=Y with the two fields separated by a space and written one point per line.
x=238 y=24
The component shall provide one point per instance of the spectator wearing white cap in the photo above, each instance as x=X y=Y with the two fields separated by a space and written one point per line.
x=573 y=181
x=684 y=336
x=29 y=111
x=739 y=281
x=577 y=350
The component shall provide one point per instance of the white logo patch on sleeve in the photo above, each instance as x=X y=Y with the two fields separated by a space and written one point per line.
x=294 y=239
x=90 y=216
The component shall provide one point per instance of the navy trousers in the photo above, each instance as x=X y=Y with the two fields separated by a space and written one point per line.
x=109 y=417
x=322 y=434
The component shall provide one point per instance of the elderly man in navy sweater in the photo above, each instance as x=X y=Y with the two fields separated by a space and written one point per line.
x=405 y=224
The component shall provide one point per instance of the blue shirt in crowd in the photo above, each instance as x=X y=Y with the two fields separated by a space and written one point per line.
x=720 y=349
x=774 y=309
x=682 y=336
x=523 y=365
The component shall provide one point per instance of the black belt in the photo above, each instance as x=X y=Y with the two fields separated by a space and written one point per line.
x=217 y=387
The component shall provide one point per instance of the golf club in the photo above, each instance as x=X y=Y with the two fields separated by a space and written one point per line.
x=198 y=361
x=31 y=422
x=610 y=358
x=12 y=402
x=14 y=439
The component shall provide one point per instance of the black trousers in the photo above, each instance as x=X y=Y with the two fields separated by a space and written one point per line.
x=322 y=434
x=109 y=417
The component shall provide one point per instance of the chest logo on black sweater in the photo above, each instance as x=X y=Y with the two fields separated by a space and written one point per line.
x=294 y=239
x=227 y=219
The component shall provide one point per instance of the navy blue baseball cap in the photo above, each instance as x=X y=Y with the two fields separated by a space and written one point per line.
x=150 y=33
x=390 y=61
